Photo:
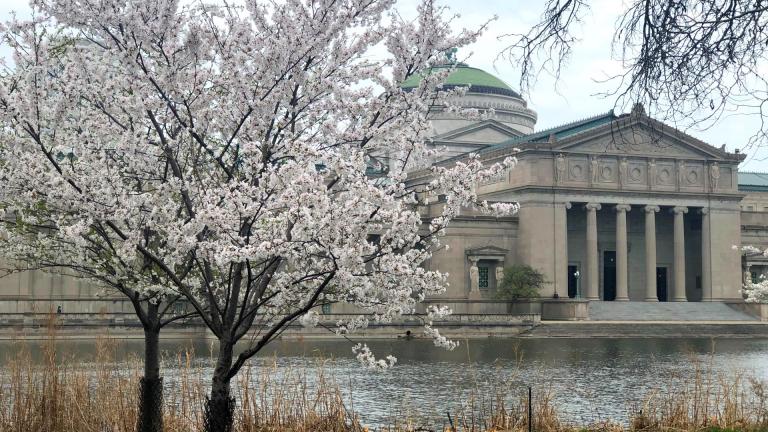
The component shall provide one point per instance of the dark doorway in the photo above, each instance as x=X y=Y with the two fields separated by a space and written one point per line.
x=573 y=281
x=609 y=275
x=661 y=283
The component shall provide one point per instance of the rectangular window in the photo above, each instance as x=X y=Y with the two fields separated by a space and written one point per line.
x=750 y=208
x=755 y=279
x=483 y=273
x=326 y=308
x=180 y=307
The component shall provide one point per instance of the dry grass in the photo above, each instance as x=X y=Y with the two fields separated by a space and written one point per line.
x=60 y=395
x=54 y=396
x=706 y=401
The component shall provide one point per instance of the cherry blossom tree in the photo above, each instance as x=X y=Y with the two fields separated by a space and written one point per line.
x=754 y=291
x=36 y=235
x=223 y=154
x=32 y=240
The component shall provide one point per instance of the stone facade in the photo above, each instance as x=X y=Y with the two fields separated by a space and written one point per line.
x=612 y=207
x=754 y=223
x=41 y=292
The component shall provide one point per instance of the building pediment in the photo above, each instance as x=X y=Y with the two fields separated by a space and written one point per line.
x=630 y=151
x=641 y=136
x=484 y=132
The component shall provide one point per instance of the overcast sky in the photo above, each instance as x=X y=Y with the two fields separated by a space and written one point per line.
x=575 y=96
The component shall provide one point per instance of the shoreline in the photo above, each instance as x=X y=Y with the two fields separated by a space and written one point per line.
x=542 y=330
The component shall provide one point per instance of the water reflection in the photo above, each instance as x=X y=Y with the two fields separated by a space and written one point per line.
x=593 y=379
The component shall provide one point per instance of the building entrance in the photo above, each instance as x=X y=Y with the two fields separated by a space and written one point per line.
x=661 y=283
x=609 y=275
x=573 y=281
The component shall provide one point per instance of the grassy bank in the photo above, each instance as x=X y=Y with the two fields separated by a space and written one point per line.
x=61 y=395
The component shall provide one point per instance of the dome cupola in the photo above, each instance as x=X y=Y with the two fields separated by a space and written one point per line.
x=485 y=91
x=478 y=80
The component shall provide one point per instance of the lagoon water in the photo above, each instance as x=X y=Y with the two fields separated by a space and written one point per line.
x=591 y=379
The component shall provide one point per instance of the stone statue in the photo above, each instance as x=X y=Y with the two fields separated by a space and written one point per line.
x=474 y=277
x=747 y=277
x=499 y=274
x=623 y=167
x=714 y=175
x=559 y=168
x=594 y=169
x=681 y=174
x=651 y=173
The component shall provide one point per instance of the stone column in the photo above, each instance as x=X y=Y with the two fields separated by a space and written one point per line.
x=560 y=245
x=650 y=253
x=592 y=265
x=706 y=257
x=679 y=247
x=622 y=290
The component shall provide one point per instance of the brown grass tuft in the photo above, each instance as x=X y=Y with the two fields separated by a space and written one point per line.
x=61 y=395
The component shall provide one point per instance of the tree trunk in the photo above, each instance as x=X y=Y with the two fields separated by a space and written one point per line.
x=220 y=406
x=150 y=418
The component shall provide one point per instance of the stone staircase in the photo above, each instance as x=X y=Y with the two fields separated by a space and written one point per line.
x=656 y=320
x=647 y=329
x=665 y=311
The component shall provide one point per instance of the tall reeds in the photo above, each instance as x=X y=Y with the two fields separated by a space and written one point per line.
x=705 y=400
x=58 y=394
x=61 y=395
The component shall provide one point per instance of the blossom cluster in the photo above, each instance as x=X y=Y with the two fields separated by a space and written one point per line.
x=754 y=291
x=221 y=153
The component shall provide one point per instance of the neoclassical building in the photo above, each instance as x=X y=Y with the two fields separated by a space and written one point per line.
x=616 y=207
x=612 y=207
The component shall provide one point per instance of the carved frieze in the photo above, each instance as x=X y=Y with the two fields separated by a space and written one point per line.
x=498 y=177
x=577 y=169
x=608 y=169
x=666 y=174
x=692 y=175
x=637 y=173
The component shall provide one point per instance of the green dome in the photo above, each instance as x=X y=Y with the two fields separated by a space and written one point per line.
x=479 y=80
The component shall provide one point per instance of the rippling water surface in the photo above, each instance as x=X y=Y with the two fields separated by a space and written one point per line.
x=592 y=379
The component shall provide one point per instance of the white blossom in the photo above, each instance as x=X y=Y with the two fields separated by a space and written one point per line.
x=367 y=359
x=438 y=339
x=436 y=312
x=310 y=319
x=754 y=292
x=220 y=153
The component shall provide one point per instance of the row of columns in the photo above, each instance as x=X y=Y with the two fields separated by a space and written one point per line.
x=622 y=287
